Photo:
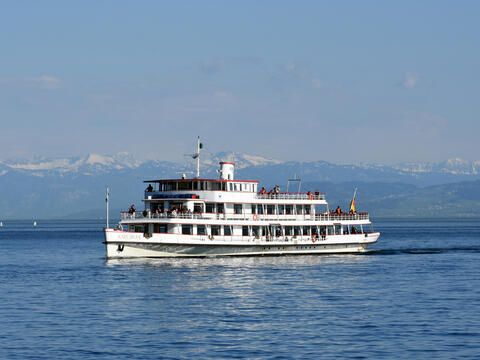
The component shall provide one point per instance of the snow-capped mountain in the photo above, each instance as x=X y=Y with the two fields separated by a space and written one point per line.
x=454 y=166
x=87 y=164
x=54 y=187
x=92 y=164
x=96 y=163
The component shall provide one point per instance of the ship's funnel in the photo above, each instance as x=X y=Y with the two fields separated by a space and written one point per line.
x=227 y=170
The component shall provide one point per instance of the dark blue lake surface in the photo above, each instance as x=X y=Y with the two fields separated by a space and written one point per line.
x=416 y=295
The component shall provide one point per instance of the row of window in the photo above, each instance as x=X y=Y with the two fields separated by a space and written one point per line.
x=272 y=230
x=205 y=185
x=269 y=209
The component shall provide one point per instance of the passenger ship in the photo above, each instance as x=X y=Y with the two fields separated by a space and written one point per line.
x=196 y=217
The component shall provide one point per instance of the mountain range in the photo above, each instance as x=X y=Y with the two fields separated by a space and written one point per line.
x=74 y=187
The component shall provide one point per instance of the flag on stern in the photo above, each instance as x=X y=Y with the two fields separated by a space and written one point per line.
x=353 y=208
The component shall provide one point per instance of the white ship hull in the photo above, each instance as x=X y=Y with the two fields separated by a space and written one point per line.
x=121 y=244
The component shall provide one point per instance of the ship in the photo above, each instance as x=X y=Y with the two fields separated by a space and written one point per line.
x=225 y=216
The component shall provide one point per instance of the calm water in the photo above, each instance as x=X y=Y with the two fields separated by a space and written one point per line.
x=417 y=295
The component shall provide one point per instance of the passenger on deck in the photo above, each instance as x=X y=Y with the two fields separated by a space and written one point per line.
x=338 y=211
x=276 y=189
x=149 y=188
x=132 y=209
x=263 y=191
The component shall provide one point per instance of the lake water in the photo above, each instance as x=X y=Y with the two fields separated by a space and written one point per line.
x=416 y=295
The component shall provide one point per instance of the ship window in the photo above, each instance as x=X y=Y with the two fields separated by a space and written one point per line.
x=170 y=186
x=201 y=230
x=245 y=231
x=288 y=230
x=187 y=229
x=139 y=228
x=278 y=231
x=185 y=185
x=299 y=209
x=197 y=207
x=220 y=208
x=323 y=230
x=297 y=230
x=227 y=230
x=305 y=230
x=281 y=209
x=237 y=208
x=215 y=230
x=215 y=186
x=209 y=208
x=288 y=209
x=256 y=231
x=338 y=229
x=264 y=230
x=160 y=228
x=307 y=210
x=260 y=209
x=270 y=209
x=254 y=209
x=230 y=186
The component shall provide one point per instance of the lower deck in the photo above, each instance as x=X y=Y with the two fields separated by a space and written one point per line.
x=120 y=244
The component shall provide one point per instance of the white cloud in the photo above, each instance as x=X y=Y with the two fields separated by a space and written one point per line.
x=317 y=83
x=410 y=81
x=46 y=81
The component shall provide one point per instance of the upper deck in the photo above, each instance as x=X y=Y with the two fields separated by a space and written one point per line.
x=224 y=190
x=330 y=217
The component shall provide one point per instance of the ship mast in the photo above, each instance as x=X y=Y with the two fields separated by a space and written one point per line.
x=196 y=156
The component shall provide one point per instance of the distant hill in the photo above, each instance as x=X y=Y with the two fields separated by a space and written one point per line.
x=460 y=199
x=74 y=187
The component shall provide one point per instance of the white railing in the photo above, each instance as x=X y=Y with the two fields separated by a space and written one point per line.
x=292 y=196
x=342 y=217
x=125 y=215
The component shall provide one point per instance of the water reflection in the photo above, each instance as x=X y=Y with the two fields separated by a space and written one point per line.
x=241 y=262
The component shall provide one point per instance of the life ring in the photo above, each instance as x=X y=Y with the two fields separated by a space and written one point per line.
x=255 y=217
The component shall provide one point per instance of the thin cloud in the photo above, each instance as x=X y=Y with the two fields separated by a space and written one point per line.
x=213 y=66
x=46 y=82
x=410 y=81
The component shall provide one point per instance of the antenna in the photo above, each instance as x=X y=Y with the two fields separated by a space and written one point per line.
x=196 y=156
x=295 y=179
x=107 y=195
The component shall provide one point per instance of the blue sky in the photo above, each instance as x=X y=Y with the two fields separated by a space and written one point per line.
x=343 y=81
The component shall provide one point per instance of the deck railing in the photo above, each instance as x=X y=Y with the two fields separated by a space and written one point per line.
x=342 y=217
x=125 y=215
x=292 y=196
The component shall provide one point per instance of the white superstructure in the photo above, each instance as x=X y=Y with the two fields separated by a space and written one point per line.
x=229 y=217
